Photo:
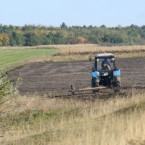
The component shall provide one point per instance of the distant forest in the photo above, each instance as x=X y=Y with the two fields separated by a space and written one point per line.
x=31 y=35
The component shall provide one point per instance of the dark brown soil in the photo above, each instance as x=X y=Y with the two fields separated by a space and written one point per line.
x=51 y=77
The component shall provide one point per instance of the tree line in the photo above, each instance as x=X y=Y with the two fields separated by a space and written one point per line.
x=31 y=35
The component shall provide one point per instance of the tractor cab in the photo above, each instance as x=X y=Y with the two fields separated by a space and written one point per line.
x=105 y=62
x=109 y=74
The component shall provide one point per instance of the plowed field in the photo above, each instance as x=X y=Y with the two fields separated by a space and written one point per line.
x=51 y=77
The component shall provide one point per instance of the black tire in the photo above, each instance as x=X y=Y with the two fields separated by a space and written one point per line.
x=93 y=82
x=117 y=82
x=117 y=86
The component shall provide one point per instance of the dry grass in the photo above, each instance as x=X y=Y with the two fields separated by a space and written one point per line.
x=92 y=48
x=86 y=51
x=81 y=57
x=84 y=48
x=118 y=121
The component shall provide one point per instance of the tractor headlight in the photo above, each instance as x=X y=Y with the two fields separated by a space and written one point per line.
x=105 y=74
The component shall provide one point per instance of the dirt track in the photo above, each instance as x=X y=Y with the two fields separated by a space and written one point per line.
x=47 y=77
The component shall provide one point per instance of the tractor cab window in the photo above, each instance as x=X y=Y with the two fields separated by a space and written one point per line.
x=106 y=64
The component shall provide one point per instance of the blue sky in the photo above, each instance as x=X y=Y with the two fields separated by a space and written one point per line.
x=73 y=12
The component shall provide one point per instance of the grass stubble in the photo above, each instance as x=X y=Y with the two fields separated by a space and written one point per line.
x=41 y=120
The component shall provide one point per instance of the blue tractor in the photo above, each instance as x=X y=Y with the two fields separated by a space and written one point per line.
x=105 y=75
x=105 y=72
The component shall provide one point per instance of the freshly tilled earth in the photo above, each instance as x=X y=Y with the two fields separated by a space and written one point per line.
x=57 y=77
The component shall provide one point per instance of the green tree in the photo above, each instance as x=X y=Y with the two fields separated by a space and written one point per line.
x=16 y=39
x=31 y=39
x=63 y=25
x=93 y=39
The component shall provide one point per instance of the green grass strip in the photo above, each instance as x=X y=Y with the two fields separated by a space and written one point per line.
x=12 y=56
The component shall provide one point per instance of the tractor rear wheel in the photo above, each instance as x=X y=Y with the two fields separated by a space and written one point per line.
x=117 y=82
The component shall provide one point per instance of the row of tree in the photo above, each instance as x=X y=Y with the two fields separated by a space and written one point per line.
x=30 y=35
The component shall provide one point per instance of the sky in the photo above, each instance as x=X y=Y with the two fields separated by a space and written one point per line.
x=72 y=12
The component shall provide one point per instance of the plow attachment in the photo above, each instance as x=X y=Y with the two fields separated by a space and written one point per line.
x=102 y=92
x=73 y=91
